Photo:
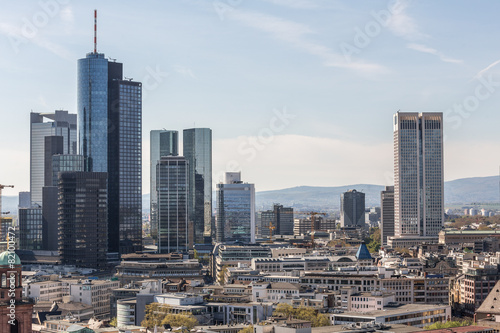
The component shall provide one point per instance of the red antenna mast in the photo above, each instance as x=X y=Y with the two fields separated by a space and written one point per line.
x=95 y=30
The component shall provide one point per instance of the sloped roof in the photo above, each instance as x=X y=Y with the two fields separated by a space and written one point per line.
x=491 y=303
x=363 y=253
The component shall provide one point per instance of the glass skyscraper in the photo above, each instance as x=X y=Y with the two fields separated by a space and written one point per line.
x=352 y=209
x=418 y=174
x=124 y=163
x=172 y=181
x=30 y=228
x=235 y=217
x=110 y=139
x=197 y=149
x=161 y=143
x=60 y=123
x=92 y=106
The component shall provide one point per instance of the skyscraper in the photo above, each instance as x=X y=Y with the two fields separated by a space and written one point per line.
x=387 y=214
x=124 y=163
x=197 y=149
x=162 y=143
x=92 y=106
x=418 y=175
x=110 y=139
x=83 y=230
x=281 y=218
x=30 y=228
x=172 y=184
x=60 y=123
x=235 y=217
x=352 y=209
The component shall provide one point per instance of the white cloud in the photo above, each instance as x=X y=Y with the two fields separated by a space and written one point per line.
x=298 y=4
x=296 y=34
x=401 y=24
x=484 y=70
x=67 y=14
x=440 y=55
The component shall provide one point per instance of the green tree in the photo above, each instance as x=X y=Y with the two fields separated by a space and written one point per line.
x=283 y=309
x=195 y=254
x=180 y=320
x=248 y=329
x=303 y=313
x=154 y=315
x=440 y=325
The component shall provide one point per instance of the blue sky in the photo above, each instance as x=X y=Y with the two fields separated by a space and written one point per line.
x=297 y=92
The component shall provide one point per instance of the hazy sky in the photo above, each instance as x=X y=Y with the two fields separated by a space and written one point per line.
x=297 y=92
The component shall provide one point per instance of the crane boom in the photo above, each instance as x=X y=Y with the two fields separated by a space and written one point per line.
x=313 y=214
x=1 y=188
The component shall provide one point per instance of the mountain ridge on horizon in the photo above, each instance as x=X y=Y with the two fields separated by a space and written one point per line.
x=459 y=191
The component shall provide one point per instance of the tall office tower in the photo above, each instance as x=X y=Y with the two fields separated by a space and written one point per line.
x=418 y=174
x=50 y=208
x=60 y=123
x=172 y=184
x=124 y=163
x=197 y=148
x=24 y=200
x=281 y=219
x=235 y=217
x=387 y=214
x=30 y=228
x=352 y=209
x=161 y=143
x=110 y=137
x=83 y=230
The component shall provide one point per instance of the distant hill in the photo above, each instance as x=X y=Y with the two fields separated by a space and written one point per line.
x=459 y=191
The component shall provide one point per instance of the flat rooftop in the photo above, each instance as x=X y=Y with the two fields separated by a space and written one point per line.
x=390 y=311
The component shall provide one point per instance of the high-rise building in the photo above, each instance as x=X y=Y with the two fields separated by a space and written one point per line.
x=30 y=228
x=352 y=209
x=60 y=123
x=161 y=143
x=281 y=219
x=124 y=163
x=235 y=217
x=197 y=149
x=172 y=184
x=387 y=214
x=110 y=139
x=418 y=174
x=50 y=208
x=83 y=229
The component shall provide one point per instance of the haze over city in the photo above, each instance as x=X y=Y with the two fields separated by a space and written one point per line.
x=296 y=92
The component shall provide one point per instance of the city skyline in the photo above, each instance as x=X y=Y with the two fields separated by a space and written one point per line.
x=211 y=88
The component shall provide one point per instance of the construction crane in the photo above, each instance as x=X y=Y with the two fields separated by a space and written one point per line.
x=271 y=227
x=312 y=214
x=1 y=188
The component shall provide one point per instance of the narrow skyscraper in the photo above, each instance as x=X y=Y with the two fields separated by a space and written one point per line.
x=172 y=184
x=386 y=214
x=418 y=177
x=197 y=149
x=161 y=143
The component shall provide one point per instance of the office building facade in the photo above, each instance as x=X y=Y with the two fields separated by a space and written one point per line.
x=124 y=163
x=83 y=217
x=387 y=214
x=161 y=143
x=281 y=219
x=59 y=123
x=418 y=174
x=30 y=228
x=172 y=188
x=197 y=149
x=235 y=217
x=352 y=209
x=110 y=139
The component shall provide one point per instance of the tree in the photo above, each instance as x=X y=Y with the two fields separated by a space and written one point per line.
x=303 y=313
x=440 y=325
x=180 y=320
x=222 y=275
x=283 y=309
x=154 y=315
x=248 y=329
x=113 y=322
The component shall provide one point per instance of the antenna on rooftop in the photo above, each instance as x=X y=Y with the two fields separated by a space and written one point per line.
x=95 y=30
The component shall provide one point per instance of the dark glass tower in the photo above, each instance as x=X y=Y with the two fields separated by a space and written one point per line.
x=109 y=120
x=172 y=180
x=83 y=230
x=197 y=148
x=124 y=163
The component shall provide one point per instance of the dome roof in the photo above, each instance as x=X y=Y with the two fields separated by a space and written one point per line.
x=4 y=258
